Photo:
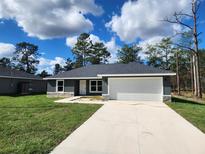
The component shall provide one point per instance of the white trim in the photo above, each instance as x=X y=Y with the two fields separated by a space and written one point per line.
x=57 y=86
x=19 y=77
x=96 y=86
x=99 y=76
x=148 y=74
x=81 y=78
x=148 y=77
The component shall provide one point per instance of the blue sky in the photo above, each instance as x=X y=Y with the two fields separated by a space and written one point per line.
x=113 y=22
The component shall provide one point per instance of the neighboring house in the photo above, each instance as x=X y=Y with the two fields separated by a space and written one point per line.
x=18 y=82
x=131 y=81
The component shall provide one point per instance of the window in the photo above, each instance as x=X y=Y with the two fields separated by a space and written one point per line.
x=60 y=86
x=95 y=86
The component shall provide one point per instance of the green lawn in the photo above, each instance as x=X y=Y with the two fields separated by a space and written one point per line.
x=193 y=112
x=35 y=124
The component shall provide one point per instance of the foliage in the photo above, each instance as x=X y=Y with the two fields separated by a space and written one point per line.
x=6 y=62
x=81 y=49
x=86 y=52
x=35 y=124
x=44 y=74
x=128 y=54
x=161 y=54
x=57 y=69
x=69 y=64
x=26 y=57
x=98 y=53
x=202 y=67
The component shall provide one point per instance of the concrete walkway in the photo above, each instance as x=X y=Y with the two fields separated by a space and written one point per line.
x=136 y=128
x=77 y=99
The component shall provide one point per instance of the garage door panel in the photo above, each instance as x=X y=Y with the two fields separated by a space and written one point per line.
x=141 y=89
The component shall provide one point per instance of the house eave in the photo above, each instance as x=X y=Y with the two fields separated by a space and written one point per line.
x=74 y=78
x=136 y=75
x=12 y=77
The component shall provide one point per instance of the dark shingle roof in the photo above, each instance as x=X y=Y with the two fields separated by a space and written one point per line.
x=94 y=70
x=12 y=73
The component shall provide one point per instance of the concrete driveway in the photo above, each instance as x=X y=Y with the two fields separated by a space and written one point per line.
x=134 y=128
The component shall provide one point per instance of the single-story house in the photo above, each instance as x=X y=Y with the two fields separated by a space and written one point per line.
x=131 y=81
x=17 y=82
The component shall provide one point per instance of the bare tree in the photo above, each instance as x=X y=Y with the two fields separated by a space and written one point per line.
x=178 y=19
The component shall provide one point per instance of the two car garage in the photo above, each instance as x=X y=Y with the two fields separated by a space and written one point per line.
x=138 y=88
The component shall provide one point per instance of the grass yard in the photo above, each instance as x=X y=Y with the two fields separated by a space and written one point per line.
x=35 y=124
x=193 y=112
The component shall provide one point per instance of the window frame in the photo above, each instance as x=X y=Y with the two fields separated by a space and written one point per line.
x=96 y=85
x=59 y=86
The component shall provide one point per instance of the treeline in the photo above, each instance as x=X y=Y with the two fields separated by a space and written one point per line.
x=164 y=55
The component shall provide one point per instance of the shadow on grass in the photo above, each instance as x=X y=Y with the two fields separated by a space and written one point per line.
x=180 y=100
x=20 y=95
x=31 y=107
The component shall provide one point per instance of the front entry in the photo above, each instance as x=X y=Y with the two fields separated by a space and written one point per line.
x=82 y=87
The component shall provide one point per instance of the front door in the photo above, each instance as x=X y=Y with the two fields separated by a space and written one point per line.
x=82 y=87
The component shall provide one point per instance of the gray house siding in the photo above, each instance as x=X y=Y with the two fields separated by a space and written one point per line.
x=11 y=85
x=51 y=86
x=69 y=85
x=7 y=86
x=166 y=89
x=70 y=88
x=167 y=86
x=104 y=85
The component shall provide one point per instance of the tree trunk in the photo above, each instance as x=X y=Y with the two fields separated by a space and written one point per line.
x=195 y=76
x=177 y=74
x=191 y=74
x=198 y=92
x=198 y=77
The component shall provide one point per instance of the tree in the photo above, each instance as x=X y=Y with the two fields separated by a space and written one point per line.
x=81 y=49
x=178 y=18
x=161 y=54
x=98 y=53
x=202 y=67
x=185 y=59
x=153 y=56
x=129 y=54
x=6 y=62
x=57 y=69
x=26 y=55
x=44 y=74
x=69 y=64
x=181 y=66
x=166 y=50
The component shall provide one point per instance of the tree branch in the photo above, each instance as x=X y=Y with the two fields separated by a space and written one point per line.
x=184 y=47
x=178 y=21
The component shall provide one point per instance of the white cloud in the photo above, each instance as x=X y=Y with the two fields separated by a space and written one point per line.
x=6 y=50
x=112 y=48
x=71 y=41
x=47 y=19
x=111 y=45
x=143 y=19
x=95 y=38
x=49 y=64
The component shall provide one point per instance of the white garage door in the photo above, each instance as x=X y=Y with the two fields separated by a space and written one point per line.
x=140 y=89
